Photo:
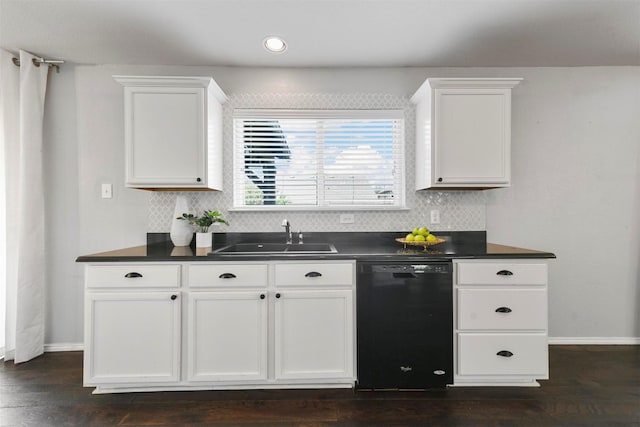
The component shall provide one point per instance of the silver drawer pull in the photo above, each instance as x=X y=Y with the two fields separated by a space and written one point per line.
x=132 y=275
x=406 y=368
x=503 y=310
x=504 y=353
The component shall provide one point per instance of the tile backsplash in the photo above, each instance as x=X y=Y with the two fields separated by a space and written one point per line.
x=459 y=210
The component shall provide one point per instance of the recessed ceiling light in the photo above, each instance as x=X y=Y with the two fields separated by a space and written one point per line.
x=275 y=44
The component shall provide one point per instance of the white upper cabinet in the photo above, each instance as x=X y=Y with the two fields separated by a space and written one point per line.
x=463 y=133
x=173 y=132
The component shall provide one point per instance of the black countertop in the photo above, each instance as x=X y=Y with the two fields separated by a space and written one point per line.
x=374 y=246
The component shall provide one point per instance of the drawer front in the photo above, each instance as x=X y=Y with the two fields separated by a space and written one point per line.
x=228 y=275
x=506 y=309
x=133 y=276
x=314 y=274
x=494 y=273
x=503 y=354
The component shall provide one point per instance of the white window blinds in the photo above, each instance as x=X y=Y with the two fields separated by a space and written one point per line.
x=329 y=159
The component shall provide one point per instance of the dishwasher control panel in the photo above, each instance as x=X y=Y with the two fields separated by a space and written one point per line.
x=443 y=268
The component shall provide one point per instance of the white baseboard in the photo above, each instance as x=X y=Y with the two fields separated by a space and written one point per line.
x=50 y=348
x=594 y=340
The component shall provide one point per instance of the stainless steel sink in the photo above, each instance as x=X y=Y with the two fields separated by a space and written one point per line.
x=276 y=248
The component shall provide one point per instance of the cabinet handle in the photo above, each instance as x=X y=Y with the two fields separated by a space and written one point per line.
x=132 y=275
x=504 y=353
x=504 y=273
x=174 y=297
x=406 y=368
x=198 y=179
x=439 y=179
x=313 y=274
x=262 y=296
x=503 y=310
x=278 y=295
x=227 y=276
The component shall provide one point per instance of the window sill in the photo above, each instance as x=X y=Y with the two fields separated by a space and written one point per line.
x=284 y=208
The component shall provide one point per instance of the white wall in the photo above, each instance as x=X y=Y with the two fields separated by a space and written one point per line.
x=575 y=178
x=576 y=192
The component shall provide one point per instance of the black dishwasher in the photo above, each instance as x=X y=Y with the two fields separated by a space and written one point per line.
x=405 y=325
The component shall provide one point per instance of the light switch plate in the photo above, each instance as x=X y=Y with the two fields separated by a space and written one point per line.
x=107 y=191
x=435 y=216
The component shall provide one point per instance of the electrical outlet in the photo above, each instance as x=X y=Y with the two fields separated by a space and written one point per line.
x=107 y=191
x=347 y=219
x=435 y=216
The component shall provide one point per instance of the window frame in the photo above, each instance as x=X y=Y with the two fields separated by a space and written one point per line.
x=317 y=114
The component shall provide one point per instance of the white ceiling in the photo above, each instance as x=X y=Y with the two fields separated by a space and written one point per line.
x=327 y=33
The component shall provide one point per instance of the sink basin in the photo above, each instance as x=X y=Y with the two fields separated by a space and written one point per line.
x=311 y=247
x=276 y=248
x=260 y=248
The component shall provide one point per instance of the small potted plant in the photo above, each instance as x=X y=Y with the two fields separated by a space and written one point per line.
x=207 y=219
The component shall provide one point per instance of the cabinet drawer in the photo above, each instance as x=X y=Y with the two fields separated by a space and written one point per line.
x=503 y=354
x=502 y=309
x=133 y=276
x=494 y=273
x=228 y=275
x=314 y=274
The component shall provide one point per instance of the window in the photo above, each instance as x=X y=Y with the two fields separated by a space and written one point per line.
x=327 y=159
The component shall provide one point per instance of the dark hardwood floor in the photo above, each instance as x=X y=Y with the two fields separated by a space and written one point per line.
x=589 y=386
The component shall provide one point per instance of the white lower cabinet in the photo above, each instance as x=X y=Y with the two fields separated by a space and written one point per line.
x=215 y=325
x=500 y=322
x=272 y=324
x=132 y=337
x=314 y=334
x=132 y=325
x=227 y=336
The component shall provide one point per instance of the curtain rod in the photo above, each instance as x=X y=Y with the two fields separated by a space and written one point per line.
x=37 y=61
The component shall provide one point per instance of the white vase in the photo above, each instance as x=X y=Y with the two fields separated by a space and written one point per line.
x=181 y=231
x=204 y=240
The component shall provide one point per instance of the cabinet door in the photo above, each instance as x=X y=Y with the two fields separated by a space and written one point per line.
x=472 y=137
x=132 y=337
x=313 y=334
x=227 y=338
x=165 y=137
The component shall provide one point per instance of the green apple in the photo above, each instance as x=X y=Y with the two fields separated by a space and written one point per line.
x=409 y=237
x=419 y=238
x=416 y=231
x=423 y=231
x=431 y=238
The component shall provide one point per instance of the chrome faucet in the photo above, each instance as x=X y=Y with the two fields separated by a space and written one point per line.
x=287 y=230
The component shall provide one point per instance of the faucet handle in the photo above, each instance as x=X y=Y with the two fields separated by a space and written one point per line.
x=285 y=222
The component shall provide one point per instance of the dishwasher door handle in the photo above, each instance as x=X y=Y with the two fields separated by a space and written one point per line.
x=404 y=276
